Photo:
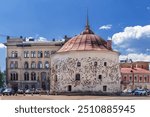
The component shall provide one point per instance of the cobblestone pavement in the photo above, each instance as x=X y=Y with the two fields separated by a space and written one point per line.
x=64 y=97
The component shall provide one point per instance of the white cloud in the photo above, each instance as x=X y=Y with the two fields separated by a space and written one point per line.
x=132 y=32
x=136 y=57
x=148 y=8
x=105 y=27
x=148 y=50
x=131 y=50
x=2 y=45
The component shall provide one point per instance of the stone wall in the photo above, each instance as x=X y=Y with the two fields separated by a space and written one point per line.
x=64 y=69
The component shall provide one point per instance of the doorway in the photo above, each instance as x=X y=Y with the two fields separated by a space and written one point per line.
x=69 y=88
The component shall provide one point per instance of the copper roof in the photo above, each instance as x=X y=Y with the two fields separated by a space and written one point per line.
x=135 y=70
x=87 y=40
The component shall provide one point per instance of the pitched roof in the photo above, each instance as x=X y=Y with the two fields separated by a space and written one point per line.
x=135 y=70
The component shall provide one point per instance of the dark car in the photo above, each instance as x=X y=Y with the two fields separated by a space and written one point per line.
x=140 y=92
x=8 y=91
x=148 y=91
x=1 y=90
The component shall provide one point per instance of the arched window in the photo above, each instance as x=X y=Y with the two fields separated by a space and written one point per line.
x=12 y=65
x=14 y=76
x=33 y=65
x=46 y=64
x=77 y=77
x=78 y=64
x=40 y=65
x=26 y=76
x=26 y=65
x=33 y=76
x=40 y=54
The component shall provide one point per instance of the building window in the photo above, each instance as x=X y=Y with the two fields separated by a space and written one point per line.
x=105 y=63
x=77 y=77
x=16 y=64
x=104 y=88
x=100 y=77
x=26 y=76
x=40 y=54
x=33 y=76
x=46 y=64
x=33 y=65
x=145 y=79
x=130 y=78
x=95 y=64
x=140 y=79
x=14 y=54
x=78 y=64
x=33 y=54
x=135 y=78
x=26 y=54
x=12 y=65
x=14 y=76
x=26 y=65
x=46 y=54
x=40 y=65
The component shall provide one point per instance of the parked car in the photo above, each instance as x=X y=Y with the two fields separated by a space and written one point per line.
x=148 y=91
x=8 y=91
x=140 y=92
x=30 y=91
x=1 y=90
x=20 y=91
x=38 y=91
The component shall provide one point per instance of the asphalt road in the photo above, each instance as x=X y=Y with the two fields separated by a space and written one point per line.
x=64 y=97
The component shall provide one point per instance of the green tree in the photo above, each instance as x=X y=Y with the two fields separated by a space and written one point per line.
x=1 y=79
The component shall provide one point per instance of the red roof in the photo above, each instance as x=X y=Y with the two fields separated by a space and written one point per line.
x=135 y=70
x=87 y=40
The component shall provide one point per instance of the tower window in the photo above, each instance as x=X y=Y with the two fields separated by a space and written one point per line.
x=105 y=63
x=95 y=64
x=78 y=64
x=100 y=77
x=77 y=77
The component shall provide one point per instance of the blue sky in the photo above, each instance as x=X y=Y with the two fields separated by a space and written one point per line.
x=126 y=22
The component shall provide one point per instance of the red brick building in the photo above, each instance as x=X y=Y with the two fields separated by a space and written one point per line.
x=135 y=75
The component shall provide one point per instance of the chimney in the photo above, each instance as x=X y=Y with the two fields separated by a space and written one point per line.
x=109 y=44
